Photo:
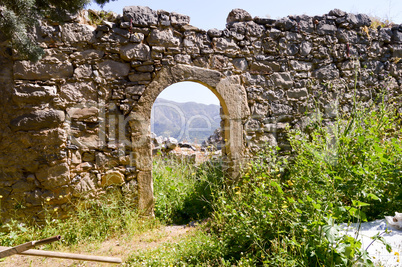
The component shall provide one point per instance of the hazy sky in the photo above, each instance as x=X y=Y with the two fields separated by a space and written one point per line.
x=208 y=14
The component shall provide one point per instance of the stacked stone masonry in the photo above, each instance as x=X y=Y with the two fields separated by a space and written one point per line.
x=77 y=122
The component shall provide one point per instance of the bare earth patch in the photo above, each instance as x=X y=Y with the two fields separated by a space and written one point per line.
x=121 y=247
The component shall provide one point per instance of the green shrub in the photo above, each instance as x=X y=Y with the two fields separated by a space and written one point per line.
x=182 y=190
x=285 y=212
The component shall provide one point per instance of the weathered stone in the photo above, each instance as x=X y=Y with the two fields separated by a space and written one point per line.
x=113 y=69
x=363 y=20
x=33 y=93
x=337 y=12
x=351 y=19
x=75 y=33
x=282 y=79
x=214 y=33
x=324 y=29
x=87 y=55
x=39 y=119
x=135 y=90
x=53 y=177
x=136 y=77
x=135 y=52
x=264 y=67
x=145 y=68
x=264 y=21
x=164 y=38
x=140 y=15
x=301 y=65
x=183 y=59
x=240 y=63
x=83 y=71
x=397 y=36
x=84 y=114
x=225 y=45
x=26 y=70
x=171 y=143
x=84 y=186
x=237 y=15
x=87 y=142
x=385 y=35
x=78 y=92
x=397 y=51
x=297 y=93
x=179 y=19
x=286 y=24
x=305 y=48
x=112 y=178
x=137 y=37
x=328 y=72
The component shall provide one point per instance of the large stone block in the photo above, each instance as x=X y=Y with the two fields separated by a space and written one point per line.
x=78 y=92
x=297 y=93
x=140 y=15
x=27 y=70
x=282 y=79
x=55 y=176
x=179 y=19
x=75 y=33
x=37 y=120
x=328 y=72
x=112 y=178
x=164 y=38
x=33 y=94
x=112 y=69
x=135 y=52
x=225 y=45
x=237 y=15
x=87 y=114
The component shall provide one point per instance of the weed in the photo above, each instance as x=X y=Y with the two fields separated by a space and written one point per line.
x=182 y=190
x=93 y=220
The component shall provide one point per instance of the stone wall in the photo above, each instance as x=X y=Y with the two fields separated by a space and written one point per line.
x=78 y=121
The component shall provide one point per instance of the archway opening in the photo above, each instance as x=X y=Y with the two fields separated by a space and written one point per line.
x=186 y=111
x=187 y=146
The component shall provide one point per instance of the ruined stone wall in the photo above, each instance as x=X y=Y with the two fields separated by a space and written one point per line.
x=77 y=122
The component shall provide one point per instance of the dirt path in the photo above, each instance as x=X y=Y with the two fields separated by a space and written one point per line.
x=121 y=247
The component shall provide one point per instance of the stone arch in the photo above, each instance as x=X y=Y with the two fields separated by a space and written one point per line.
x=233 y=98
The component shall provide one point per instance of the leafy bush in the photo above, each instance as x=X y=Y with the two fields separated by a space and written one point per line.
x=284 y=212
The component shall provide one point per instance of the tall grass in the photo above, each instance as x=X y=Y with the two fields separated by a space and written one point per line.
x=184 y=191
x=93 y=220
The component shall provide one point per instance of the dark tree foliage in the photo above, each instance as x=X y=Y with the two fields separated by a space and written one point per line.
x=18 y=17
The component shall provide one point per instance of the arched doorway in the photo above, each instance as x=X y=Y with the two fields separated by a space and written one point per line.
x=187 y=111
x=233 y=99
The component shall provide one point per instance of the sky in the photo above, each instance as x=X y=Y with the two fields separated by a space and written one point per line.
x=209 y=14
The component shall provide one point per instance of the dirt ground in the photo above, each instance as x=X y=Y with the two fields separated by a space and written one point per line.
x=121 y=247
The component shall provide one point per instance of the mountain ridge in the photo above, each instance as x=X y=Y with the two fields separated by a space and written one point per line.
x=187 y=121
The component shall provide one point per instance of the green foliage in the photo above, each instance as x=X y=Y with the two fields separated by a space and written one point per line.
x=183 y=192
x=286 y=213
x=93 y=220
x=377 y=22
x=199 y=249
x=355 y=161
x=18 y=17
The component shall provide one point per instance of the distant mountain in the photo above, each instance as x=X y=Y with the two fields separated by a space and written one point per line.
x=193 y=122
